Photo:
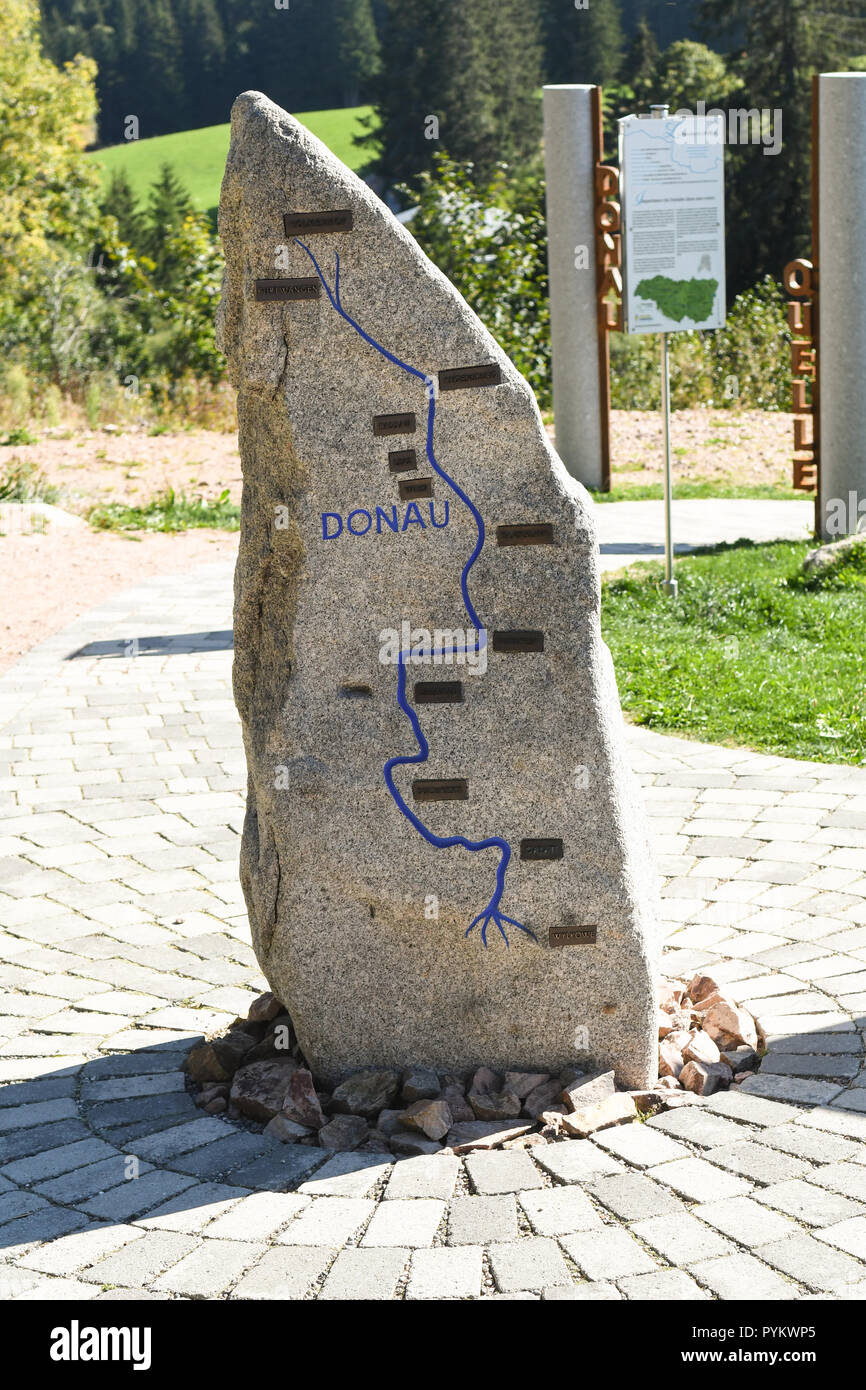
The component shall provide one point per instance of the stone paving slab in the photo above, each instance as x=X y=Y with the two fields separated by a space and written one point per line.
x=123 y=940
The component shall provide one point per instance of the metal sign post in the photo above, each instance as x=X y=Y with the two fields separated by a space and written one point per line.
x=671 y=585
x=672 y=185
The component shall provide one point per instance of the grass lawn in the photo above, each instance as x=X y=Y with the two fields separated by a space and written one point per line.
x=648 y=492
x=169 y=511
x=750 y=653
x=199 y=156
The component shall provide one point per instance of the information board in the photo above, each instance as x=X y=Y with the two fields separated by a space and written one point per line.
x=672 y=191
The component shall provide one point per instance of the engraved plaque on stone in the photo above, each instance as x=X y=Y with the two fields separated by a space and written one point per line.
x=572 y=936
x=394 y=424
x=463 y=378
x=541 y=849
x=438 y=692
x=307 y=223
x=518 y=640
x=440 y=789
x=415 y=487
x=535 y=533
x=402 y=460
x=308 y=287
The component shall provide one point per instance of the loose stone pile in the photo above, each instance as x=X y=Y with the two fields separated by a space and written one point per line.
x=256 y=1075
x=706 y=1041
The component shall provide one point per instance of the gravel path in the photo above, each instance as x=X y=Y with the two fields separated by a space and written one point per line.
x=124 y=939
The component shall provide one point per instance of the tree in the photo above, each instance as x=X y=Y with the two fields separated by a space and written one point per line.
x=469 y=79
x=168 y=207
x=583 y=44
x=641 y=61
x=357 y=49
x=119 y=202
x=784 y=42
x=688 y=72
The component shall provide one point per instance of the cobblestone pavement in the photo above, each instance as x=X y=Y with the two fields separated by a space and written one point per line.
x=124 y=938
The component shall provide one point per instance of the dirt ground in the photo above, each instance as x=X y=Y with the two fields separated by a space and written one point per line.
x=53 y=577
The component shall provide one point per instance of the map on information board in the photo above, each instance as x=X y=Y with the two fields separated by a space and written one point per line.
x=672 y=190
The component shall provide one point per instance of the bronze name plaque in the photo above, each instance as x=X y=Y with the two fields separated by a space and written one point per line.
x=440 y=789
x=572 y=936
x=335 y=220
x=402 y=460
x=541 y=849
x=462 y=378
x=518 y=640
x=415 y=487
x=438 y=692
x=394 y=424
x=535 y=533
x=306 y=288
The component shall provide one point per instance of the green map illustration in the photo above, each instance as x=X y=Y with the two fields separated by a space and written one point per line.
x=680 y=299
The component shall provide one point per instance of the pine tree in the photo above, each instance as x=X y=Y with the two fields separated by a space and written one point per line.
x=583 y=45
x=357 y=49
x=120 y=202
x=784 y=42
x=167 y=206
x=157 y=96
x=641 y=61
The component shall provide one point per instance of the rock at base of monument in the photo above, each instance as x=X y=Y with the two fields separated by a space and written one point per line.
x=617 y=1109
x=419 y=1083
x=588 y=1090
x=704 y=1078
x=259 y=1090
x=482 y=1134
x=366 y=1093
x=344 y=1132
x=265 y=1008
x=407 y=1145
x=542 y=1098
x=522 y=1083
x=203 y=1065
x=302 y=1105
x=432 y=1118
x=281 y=1127
x=494 y=1105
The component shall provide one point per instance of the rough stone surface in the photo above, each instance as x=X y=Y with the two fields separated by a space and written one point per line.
x=366 y=1093
x=260 y=1089
x=589 y=1090
x=335 y=877
x=615 y=1110
x=301 y=1104
x=431 y=1117
x=343 y=1132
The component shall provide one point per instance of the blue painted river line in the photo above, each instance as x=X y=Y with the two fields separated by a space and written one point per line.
x=492 y=912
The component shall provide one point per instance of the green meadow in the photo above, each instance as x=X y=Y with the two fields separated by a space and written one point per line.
x=199 y=156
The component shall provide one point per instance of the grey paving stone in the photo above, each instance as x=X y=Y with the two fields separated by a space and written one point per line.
x=741 y=1277
x=45 y=1224
x=794 y=1088
x=758 y=1162
x=348 y=1175
x=812 y=1262
x=15 y=1204
x=753 y=1109
x=799 y=1064
x=813 y=1043
x=699 y=1181
x=584 y=1293
x=360 y=1275
x=445 y=1273
x=210 y=1270
x=223 y=1156
x=87 y=1181
x=665 y=1286
x=178 y=1139
x=697 y=1125
x=278 y=1170
x=610 y=1253
x=138 y=1196
x=634 y=1196
x=796 y=1139
x=531 y=1263
x=329 y=1221
x=681 y=1238
x=163 y=1111
x=258 y=1216
x=139 y=1262
x=847 y=1235
x=503 y=1171
x=640 y=1145
x=745 y=1220
x=40 y=1112
x=577 y=1161
x=52 y=1162
x=69 y=1253
x=808 y=1202
x=428 y=1175
x=411 y=1223
x=556 y=1211
x=481 y=1220
x=847 y=1178
x=192 y=1210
